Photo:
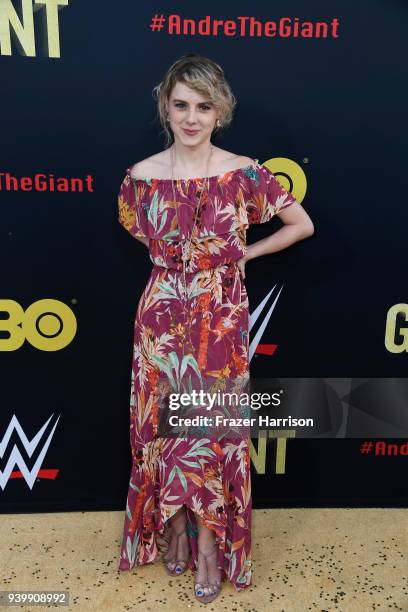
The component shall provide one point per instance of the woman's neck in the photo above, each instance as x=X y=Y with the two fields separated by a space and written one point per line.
x=190 y=160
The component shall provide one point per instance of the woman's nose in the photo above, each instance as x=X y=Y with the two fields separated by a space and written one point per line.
x=191 y=117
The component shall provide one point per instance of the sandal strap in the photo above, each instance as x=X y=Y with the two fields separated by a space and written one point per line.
x=199 y=585
x=214 y=586
x=180 y=561
x=208 y=552
x=211 y=585
x=179 y=533
x=176 y=562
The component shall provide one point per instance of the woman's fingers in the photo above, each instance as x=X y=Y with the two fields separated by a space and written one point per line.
x=241 y=267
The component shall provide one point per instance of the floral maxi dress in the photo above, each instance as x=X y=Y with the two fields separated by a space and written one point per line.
x=205 y=336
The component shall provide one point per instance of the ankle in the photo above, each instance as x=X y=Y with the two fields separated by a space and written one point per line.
x=208 y=549
x=178 y=520
x=179 y=527
x=207 y=539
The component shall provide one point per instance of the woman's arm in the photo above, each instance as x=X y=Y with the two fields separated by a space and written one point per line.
x=297 y=226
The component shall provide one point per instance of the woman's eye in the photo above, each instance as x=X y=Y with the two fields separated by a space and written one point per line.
x=203 y=107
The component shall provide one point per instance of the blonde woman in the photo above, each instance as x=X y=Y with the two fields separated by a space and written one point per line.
x=189 y=499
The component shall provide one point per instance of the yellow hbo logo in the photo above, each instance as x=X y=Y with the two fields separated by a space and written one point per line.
x=290 y=175
x=48 y=325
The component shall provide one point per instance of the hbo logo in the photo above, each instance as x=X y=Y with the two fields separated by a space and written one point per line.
x=48 y=325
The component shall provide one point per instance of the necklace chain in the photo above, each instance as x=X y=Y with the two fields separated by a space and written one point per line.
x=186 y=253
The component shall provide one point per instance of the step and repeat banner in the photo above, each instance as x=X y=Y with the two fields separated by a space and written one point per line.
x=321 y=102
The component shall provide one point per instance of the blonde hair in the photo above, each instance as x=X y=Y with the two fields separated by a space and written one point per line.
x=203 y=75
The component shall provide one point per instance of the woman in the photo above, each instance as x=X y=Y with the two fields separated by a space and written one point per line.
x=191 y=204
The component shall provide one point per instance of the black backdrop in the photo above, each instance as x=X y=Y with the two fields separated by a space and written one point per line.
x=335 y=106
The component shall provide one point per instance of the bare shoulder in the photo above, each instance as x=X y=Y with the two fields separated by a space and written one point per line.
x=151 y=166
x=247 y=161
x=232 y=161
x=158 y=165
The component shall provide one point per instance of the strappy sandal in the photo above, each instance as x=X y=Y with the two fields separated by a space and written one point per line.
x=180 y=564
x=200 y=587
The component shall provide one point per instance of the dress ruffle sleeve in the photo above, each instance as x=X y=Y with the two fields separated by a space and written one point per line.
x=131 y=215
x=266 y=196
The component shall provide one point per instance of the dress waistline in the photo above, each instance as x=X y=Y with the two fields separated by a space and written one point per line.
x=227 y=264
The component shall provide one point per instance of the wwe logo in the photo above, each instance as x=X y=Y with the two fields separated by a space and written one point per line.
x=30 y=446
x=262 y=348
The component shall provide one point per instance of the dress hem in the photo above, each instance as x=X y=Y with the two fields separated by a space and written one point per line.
x=125 y=565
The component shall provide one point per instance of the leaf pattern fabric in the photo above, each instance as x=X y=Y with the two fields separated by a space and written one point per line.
x=203 y=341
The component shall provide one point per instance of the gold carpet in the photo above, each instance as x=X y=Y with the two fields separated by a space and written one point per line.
x=303 y=559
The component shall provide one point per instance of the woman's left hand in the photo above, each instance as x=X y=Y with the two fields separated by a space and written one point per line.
x=241 y=265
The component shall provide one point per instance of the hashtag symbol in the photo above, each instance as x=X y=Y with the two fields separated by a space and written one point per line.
x=157 y=23
x=366 y=448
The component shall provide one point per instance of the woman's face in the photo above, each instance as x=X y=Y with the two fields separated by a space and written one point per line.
x=192 y=117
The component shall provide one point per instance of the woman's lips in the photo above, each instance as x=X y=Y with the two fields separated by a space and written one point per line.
x=190 y=132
